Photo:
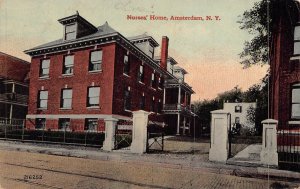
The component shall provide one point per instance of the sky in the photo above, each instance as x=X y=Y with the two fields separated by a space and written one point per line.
x=207 y=50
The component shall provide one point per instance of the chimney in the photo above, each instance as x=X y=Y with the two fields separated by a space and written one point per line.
x=164 y=52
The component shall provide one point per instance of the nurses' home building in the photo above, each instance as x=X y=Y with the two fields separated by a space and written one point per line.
x=93 y=73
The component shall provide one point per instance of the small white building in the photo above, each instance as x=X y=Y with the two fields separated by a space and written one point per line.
x=239 y=111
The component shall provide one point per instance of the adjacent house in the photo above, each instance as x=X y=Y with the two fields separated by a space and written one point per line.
x=93 y=73
x=14 y=77
x=242 y=113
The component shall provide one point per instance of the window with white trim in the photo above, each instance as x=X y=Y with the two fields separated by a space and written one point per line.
x=127 y=99
x=295 y=114
x=152 y=107
x=142 y=102
x=126 y=64
x=68 y=64
x=40 y=123
x=153 y=80
x=70 y=32
x=44 y=68
x=66 y=98
x=238 y=109
x=64 y=123
x=95 y=61
x=141 y=74
x=43 y=99
x=93 y=96
x=91 y=124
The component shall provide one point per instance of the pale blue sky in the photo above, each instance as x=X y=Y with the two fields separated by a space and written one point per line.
x=206 y=46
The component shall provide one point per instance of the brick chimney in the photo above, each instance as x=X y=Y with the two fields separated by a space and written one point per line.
x=164 y=52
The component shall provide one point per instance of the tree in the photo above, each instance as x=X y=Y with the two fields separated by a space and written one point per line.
x=257 y=22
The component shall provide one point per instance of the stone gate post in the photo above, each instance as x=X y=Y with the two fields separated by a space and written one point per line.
x=110 y=129
x=269 y=155
x=220 y=121
x=139 y=132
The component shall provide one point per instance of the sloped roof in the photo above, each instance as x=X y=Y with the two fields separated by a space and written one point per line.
x=102 y=30
x=13 y=68
x=142 y=37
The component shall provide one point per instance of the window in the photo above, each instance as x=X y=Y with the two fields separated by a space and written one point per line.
x=296 y=101
x=153 y=80
x=68 y=64
x=40 y=123
x=44 y=68
x=159 y=107
x=66 y=98
x=95 y=61
x=91 y=124
x=70 y=32
x=64 y=123
x=237 y=120
x=238 y=109
x=151 y=51
x=127 y=99
x=126 y=64
x=152 y=107
x=141 y=74
x=142 y=102
x=43 y=99
x=160 y=83
x=93 y=96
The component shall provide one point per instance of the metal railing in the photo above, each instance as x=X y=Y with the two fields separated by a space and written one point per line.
x=288 y=149
x=23 y=99
x=16 y=130
x=179 y=107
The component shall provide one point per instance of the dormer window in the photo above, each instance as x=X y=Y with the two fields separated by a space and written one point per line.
x=70 y=31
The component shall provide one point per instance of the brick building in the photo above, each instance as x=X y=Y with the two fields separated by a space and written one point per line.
x=285 y=65
x=13 y=87
x=93 y=73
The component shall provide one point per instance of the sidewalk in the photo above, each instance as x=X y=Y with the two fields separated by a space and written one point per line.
x=176 y=161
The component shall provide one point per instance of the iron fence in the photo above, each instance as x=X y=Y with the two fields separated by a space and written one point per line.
x=288 y=147
x=15 y=130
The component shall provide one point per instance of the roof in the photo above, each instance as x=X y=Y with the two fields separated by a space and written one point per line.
x=102 y=30
x=13 y=68
x=171 y=59
x=13 y=57
x=181 y=69
x=142 y=37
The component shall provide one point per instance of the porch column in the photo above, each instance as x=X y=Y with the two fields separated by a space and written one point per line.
x=178 y=124
x=179 y=94
x=184 y=121
x=11 y=114
x=164 y=99
x=190 y=126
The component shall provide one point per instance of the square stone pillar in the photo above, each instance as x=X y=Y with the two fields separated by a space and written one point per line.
x=220 y=121
x=268 y=154
x=110 y=129
x=139 y=132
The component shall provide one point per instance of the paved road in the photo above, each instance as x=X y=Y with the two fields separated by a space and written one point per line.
x=68 y=172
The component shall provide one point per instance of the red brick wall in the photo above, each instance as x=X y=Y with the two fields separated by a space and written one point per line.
x=79 y=82
x=283 y=74
x=122 y=81
x=13 y=68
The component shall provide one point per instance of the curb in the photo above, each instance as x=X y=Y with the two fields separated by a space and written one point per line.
x=150 y=159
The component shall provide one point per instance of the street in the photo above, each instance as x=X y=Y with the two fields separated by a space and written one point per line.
x=33 y=170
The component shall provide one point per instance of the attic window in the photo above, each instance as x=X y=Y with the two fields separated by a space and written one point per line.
x=70 y=32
